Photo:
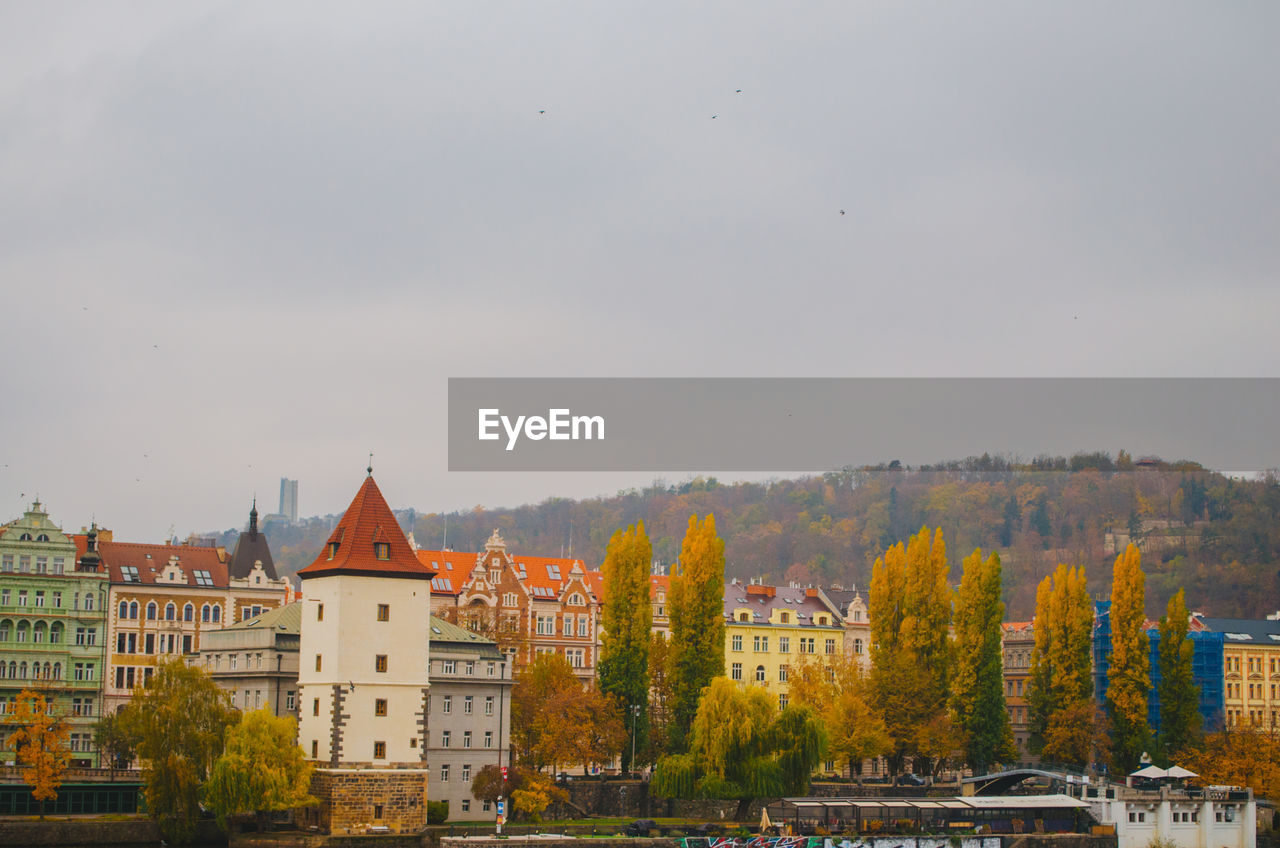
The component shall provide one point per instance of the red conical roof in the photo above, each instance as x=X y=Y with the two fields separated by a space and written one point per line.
x=354 y=547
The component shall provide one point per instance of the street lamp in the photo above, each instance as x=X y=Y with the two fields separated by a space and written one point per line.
x=635 y=714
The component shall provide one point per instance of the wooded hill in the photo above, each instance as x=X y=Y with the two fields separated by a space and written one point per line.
x=1216 y=536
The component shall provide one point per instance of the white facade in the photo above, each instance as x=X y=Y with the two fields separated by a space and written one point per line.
x=364 y=652
x=1216 y=818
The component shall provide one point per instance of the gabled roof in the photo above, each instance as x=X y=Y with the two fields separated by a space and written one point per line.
x=143 y=563
x=350 y=549
x=659 y=583
x=544 y=577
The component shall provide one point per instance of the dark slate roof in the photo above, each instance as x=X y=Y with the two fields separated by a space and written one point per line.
x=250 y=548
x=1259 y=631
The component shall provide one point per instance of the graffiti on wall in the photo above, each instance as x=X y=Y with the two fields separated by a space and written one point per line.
x=839 y=842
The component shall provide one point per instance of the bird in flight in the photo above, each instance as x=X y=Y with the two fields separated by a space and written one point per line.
x=841 y=211
x=542 y=111
x=739 y=91
x=713 y=117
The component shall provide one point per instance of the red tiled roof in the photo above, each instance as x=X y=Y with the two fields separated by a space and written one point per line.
x=658 y=583
x=367 y=521
x=455 y=567
x=151 y=560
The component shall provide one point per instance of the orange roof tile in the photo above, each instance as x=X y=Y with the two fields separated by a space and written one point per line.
x=149 y=561
x=658 y=583
x=350 y=548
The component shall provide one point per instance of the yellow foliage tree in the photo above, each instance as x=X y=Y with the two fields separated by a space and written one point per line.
x=41 y=744
x=1129 y=672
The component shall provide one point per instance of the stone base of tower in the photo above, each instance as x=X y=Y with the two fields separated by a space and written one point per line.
x=368 y=800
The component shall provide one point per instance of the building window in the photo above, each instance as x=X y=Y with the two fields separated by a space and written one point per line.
x=317 y=662
x=467 y=704
x=380 y=706
x=488 y=705
x=449 y=667
x=315 y=749
x=380 y=663
x=377 y=808
x=446 y=738
x=151 y=611
x=488 y=738
x=379 y=750
x=315 y=706
x=783 y=671
x=446 y=705
x=382 y=549
x=466 y=771
x=444 y=772
x=384 y=612
x=736 y=671
x=784 y=644
x=491 y=668
x=466 y=738
x=736 y=642
x=857 y=647
x=289 y=700
x=831 y=646
x=782 y=701
x=759 y=674
x=319 y=612
x=471 y=668
x=584 y=625
x=466 y=805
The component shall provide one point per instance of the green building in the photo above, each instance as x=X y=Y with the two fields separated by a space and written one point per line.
x=53 y=626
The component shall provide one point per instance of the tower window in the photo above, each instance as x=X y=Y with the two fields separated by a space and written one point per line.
x=382 y=549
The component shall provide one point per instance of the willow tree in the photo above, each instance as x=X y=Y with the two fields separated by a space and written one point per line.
x=741 y=748
x=261 y=770
x=1129 y=671
x=627 y=622
x=695 y=606
x=977 y=683
x=1179 y=695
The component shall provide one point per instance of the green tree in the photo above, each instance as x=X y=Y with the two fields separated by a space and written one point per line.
x=627 y=622
x=977 y=686
x=910 y=610
x=261 y=769
x=1179 y=695
x=741 y=748
x=696 y=610
x=179 y=718
x=1129 y=672
x=1060 y=679
x=40 y=743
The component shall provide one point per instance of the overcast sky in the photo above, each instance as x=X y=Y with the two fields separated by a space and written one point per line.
x=240 y=241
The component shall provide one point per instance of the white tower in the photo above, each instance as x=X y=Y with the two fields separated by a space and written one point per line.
x=363 y=673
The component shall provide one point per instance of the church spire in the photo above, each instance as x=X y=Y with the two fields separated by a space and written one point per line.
x=253 y=517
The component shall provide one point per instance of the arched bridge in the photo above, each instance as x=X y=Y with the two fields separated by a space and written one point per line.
x=998 y=783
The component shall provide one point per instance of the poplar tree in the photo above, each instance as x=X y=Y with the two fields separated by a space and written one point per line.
x=1129 y=673
x=910 y=652
x=696 y=609
x=1179 y=695
x=626 y=620
x=1060 y=683
x=977 y=683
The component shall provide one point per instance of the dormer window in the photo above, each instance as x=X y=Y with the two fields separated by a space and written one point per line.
x=42 y=538
x=744 y=616
x=382 y=550
x=333 y=550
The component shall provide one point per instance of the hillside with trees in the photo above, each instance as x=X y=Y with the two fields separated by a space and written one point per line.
x=1216 y=536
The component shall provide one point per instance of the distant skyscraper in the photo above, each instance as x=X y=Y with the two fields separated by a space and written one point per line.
x=289 y=498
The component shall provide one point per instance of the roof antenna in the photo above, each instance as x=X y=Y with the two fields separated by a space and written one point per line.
x=369 y=470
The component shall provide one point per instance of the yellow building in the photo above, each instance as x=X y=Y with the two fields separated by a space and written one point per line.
x=1251 y=670
x=770 y=629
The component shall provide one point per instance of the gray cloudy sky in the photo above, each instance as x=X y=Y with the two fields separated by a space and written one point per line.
x=246 y=240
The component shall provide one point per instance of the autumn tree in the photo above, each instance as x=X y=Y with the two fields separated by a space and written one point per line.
x=839 y=695
x=1240 y=755
x=661 y=696
x=910 y=611
x=179 y=718
x=1129 y=670
x=695 y=605
x=977 y=684
x=1060 y=682
x=742 y=748
x=1179 y=695
x=627 y=623
x=261 y=769
x=113 y=742
x=40 y=743
x=555 y=721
